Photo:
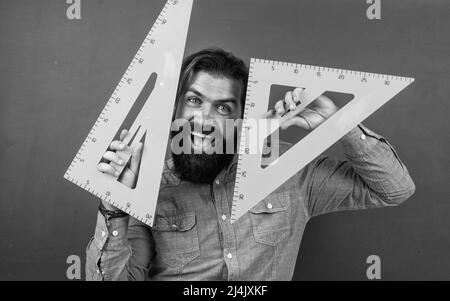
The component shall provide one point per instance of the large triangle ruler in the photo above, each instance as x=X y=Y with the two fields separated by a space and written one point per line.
x=151 y=80
x=371 y=91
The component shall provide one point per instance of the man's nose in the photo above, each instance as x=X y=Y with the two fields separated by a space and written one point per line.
x=205 y=114
x=204 y=119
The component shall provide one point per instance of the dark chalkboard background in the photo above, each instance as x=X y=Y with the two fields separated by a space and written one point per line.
x=56 y=74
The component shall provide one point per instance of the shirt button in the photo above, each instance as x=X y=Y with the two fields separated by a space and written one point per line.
x=229 y=255
x=174 y=226
x=363 y=137
x=217 y=182
x=269 y=206
x=115 y=233
x=103 y=233
x=98 y=271
x=224 y=217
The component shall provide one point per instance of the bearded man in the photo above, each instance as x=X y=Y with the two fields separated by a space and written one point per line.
x=192 y=237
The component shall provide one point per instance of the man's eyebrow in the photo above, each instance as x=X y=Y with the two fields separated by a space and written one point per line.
x=198 y=93
x=233 y=100
x=195 y=91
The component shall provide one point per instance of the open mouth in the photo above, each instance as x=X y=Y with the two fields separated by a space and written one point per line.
x=200 y=140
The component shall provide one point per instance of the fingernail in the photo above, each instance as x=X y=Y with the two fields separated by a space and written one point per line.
x=120 y=162
x=292 y=107
x=117 y=173
x=121 y=145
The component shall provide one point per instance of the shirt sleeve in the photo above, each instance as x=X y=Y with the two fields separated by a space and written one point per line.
x=121 y=249
x=372 y=176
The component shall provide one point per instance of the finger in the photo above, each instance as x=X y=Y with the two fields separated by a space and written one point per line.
x=323 y=98
x=326 y=103
x=289 y=101
x=114 y=157
x=108 y=169
x=296 y=94
x=320 y=101
x=117 y=145
x=279 y=108
x=297 y=121
x=269 y=114
x=123 y=134
x=136 y=157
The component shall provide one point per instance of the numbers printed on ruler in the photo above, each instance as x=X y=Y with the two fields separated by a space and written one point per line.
x=253 y=182
x=152 y=75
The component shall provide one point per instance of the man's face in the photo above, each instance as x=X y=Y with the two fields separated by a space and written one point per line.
x=207 y=103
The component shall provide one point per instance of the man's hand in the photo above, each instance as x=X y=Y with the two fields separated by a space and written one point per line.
x=311 y=117
x=130 y=172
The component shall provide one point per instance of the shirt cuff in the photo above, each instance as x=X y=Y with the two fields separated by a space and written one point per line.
x=360 y=141
x=111 y=234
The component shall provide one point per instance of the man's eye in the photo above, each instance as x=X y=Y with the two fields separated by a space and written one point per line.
x=193 y=100
x=224 y=109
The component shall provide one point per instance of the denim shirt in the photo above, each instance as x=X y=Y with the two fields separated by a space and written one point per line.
x=192 y=237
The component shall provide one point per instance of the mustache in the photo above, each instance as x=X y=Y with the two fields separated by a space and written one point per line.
x=204 y=128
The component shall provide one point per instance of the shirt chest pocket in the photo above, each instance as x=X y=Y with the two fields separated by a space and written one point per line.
x=271 y=219
x=176 y=239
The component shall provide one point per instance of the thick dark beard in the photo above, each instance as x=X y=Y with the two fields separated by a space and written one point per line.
x=200 y=168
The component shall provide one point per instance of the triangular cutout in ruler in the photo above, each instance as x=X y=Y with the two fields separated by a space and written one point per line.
x=371 y=91
x=155 y=68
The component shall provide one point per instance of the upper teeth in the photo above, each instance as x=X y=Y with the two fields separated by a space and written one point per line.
x=201 y=135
